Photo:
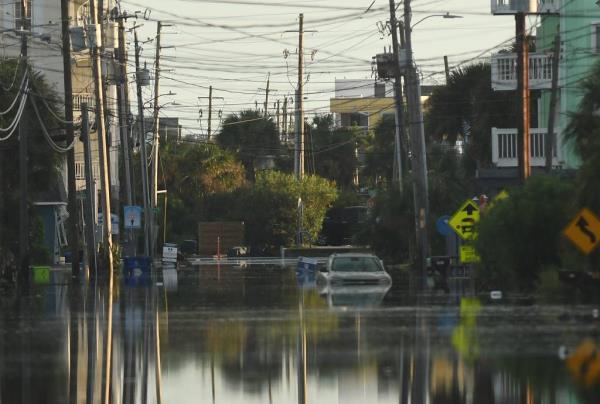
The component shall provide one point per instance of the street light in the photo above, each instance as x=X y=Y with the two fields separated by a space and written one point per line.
x=447 y=15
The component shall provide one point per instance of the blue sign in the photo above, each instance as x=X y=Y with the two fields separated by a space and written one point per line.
x=133 y=217
x=443 y=227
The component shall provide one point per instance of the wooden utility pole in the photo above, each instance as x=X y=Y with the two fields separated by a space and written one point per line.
x=123 y=103
x=278 y=121
x=90 y=209
x=419 y=159
x=299 y=144
x=209 y=113
x=399 y=116
x=23 y=160
x=549 y=144
x=267 y=96
x=156 y=143
x=447 y=69
x=72 y=185
x=523 y=143
x=144 y=154
x=101 y=135
x=285 y=118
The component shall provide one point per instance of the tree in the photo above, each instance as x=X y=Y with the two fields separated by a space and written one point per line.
x=379 y=163
x=191 y=173
x=43 y=164
x=583 y=133
x=467 y=107
x=521 y=236
x=249 y=136
x=331 y=152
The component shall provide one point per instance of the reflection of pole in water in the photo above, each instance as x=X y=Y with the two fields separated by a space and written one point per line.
x=301 y=354
x=108 y=339
x=92 y=348
x=145 y=327
x=212 y=376
x=157 y=360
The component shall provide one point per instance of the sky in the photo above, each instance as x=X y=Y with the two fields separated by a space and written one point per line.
x=236 y=45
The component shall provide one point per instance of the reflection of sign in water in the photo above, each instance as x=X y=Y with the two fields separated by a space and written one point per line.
x=465 y=338
x=133 y=217
x=584 y=231
x=584 y=364
x=464 y=220
x=469 y=255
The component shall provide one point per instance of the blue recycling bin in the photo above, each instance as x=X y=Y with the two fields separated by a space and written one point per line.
x=136 y=270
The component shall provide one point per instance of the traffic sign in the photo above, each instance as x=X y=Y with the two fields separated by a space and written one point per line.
x=464 y=220
x=133 y=217
x=469 y=255
x=443 y=227
x=584 y=231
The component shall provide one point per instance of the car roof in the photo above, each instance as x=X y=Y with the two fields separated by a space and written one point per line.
x=357 y=255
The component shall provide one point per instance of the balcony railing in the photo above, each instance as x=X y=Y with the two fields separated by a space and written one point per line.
x=524 y=6
x=504 y=148
x=80 y=170
x=504 y=71
x=80 y=98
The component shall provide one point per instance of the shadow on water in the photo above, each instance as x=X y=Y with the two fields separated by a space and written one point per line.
x=260 y=334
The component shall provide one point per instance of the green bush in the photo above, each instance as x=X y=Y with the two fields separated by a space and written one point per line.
x=522 y=235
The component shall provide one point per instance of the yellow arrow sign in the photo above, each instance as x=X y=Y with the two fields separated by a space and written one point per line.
x=464 y=220
x=584 y=231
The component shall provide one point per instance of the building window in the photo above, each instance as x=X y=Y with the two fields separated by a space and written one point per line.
x=596 y=37
x=17 y=15
x=357 y=118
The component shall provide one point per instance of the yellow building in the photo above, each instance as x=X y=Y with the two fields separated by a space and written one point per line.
x=361 y=102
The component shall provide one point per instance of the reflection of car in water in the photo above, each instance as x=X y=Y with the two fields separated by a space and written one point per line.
x=354 y=296
x=342 y=224
x=357 y=280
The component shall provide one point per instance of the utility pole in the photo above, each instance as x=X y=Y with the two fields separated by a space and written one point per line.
x=144 y=155
x=397 y=94
x=123 y=102
x=267 y=96
x=550 y=139
x=72 y=186
x=209 y=113
x=419 y=152
x=299 y=144
x=156 y=143
x=101 y=135
x=278 y=121
x=447 y=69
x=285 y=120
x=23 y=161
x=90 y=223
x=523 y=146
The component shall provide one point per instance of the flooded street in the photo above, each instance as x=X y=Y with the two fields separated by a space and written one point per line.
x=260 y=334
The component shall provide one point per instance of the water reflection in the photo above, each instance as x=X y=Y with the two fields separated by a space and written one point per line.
x=254 y=335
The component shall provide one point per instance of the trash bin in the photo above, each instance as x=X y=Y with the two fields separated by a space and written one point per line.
x=440 y=267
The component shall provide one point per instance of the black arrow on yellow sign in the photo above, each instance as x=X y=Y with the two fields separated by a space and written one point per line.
x=584 y=227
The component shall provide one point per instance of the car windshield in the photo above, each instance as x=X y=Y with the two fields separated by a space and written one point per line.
x=355 y=264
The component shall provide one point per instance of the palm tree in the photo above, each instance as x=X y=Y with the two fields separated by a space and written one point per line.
x=583 y=131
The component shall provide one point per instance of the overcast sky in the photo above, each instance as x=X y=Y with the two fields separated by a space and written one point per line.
x=233 y=45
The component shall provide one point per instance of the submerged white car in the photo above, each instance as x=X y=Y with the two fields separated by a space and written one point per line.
x=353 y=269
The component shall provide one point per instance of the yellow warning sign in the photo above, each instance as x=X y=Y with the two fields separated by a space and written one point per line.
x=584 y=231
x=469 y=255
x=464 y=220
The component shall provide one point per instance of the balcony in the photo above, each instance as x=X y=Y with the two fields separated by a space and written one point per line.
x=504 y=71
x=81 y=98
x=504 y=148
x=514 y=6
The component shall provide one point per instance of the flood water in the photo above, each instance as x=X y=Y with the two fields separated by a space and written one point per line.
x=259 y=334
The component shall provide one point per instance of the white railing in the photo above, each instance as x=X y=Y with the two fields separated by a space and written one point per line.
x=80 y=170
x=513 y=6
x=504 y=71
x=504 y=147
x=80 y=98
